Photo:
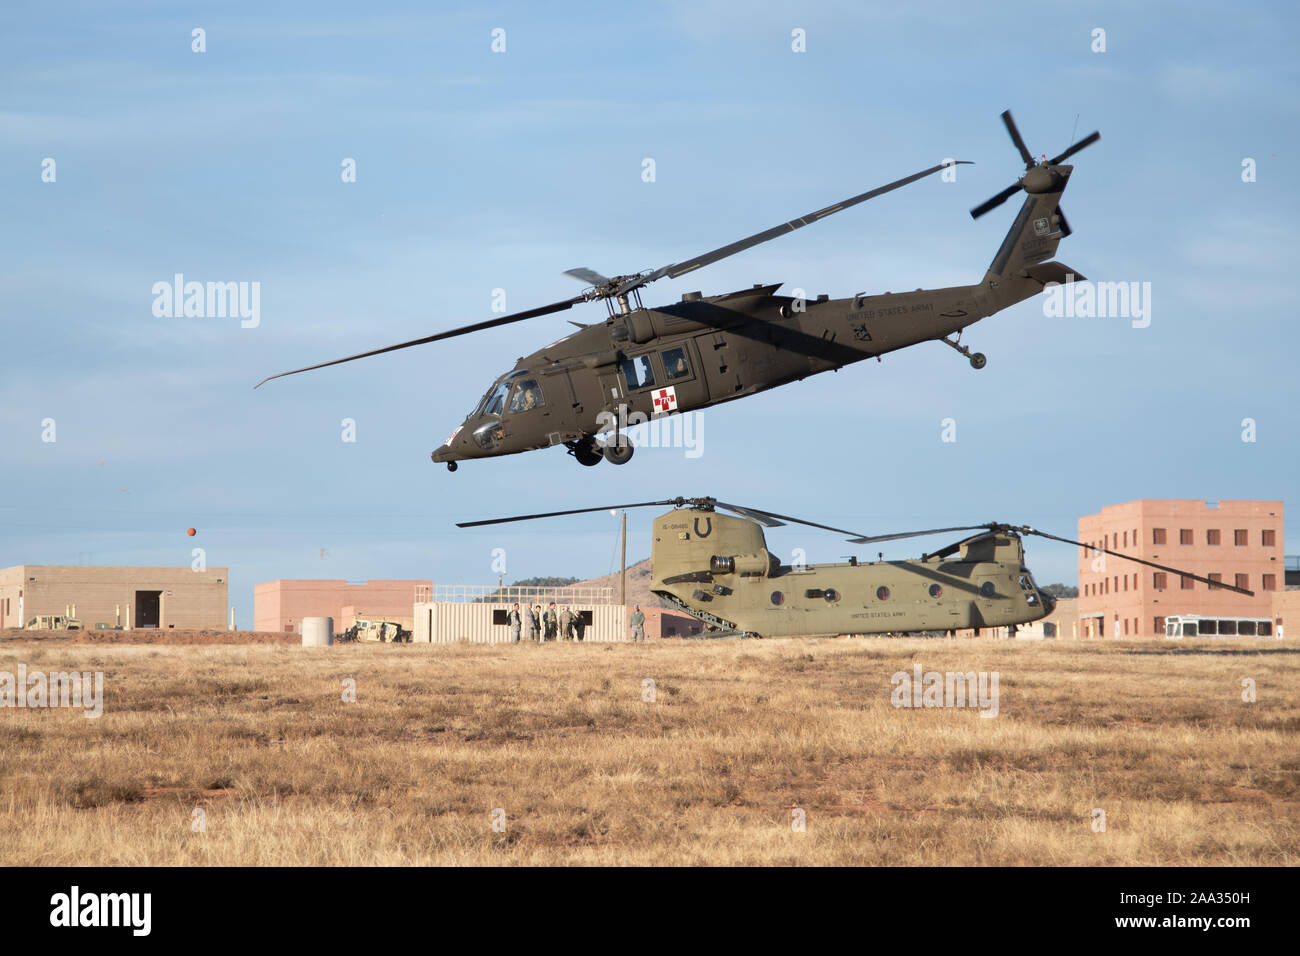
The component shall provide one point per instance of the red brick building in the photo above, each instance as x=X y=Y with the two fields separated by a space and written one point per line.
x=281 y=605
x=1237 y=542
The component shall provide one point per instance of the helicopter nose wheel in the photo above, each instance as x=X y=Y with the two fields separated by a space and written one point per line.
x=977 y=359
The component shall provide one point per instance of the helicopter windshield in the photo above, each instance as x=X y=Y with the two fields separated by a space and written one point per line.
x=494 y=402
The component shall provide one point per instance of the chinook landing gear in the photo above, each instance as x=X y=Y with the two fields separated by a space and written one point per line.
x=977 y=359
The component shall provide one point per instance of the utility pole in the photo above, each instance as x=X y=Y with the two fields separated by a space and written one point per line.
x=622 y=586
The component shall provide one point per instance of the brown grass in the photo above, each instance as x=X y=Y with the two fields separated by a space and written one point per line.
x=1154 y=733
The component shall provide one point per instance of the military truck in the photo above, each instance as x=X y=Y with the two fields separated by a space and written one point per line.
x=387 y=632
x=53 y=622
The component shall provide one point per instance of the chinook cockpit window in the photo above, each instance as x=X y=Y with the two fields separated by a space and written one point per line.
x=526 y=396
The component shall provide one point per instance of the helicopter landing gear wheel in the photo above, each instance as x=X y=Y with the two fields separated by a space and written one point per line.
x=617 y=454
x=452 y=466
x=977 y=359
x=586 y=452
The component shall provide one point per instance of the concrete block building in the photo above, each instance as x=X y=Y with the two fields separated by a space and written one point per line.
x=135 y=597
x=1237 y=542
x=281 y=605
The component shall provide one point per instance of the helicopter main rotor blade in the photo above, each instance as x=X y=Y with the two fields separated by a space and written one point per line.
x=1010 y=124
x=589 y=276
x=774 y=520
x=678 y=502
x=676 y=269
x=450 y=333
x=1081 y=144
x=1129 y=557
x=920 y=534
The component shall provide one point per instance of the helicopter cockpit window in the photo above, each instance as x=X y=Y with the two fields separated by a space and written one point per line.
x=638 y=372
x=526 y=396
x=494 y=402
x=675 y=364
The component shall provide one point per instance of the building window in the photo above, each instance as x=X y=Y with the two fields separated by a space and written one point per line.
x=1158 y=580
x=1184 y=535
x=1239 y=538
x=1243 y=581
x=1268 y=538
x=1159 y=626
x=1218 y=578
x=1126 y=539
x=1269 y=583
x=1157 y=535
x=1187 y=584
x=1212 y=536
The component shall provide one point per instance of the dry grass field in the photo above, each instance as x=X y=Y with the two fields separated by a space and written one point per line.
x=740 y=734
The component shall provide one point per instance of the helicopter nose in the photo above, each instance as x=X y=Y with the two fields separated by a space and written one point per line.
x=447 y=450
x=1049 y=602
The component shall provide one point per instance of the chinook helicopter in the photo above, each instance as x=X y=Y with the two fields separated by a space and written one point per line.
x=640 y=363
x=717 y=567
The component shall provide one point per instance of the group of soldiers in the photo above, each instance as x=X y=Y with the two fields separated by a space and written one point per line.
x=559 y=624
x=553 y=624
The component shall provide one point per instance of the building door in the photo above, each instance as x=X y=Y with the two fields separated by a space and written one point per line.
x=147 y=607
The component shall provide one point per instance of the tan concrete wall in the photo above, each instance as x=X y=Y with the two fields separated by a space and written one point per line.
x=1286 y=613
x=1115 y=588
x=190 y=599
x=447 y=622
x=281 y=605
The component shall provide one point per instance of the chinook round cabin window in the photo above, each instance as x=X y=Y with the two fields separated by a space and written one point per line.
x=882 y=593
x=778 y=598
x=831 y=595
x=987 y=589
x=936 y=591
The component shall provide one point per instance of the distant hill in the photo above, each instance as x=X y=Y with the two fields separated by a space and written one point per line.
x=638 y=585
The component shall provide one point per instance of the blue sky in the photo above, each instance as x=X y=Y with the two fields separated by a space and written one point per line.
x=478 y=171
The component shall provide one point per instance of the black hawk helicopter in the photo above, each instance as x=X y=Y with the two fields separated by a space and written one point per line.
x=641 y=363
x=717 y=568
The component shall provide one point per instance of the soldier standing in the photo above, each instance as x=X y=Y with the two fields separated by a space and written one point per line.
x=578 y=625
x=566 y=622
x=516 y=622
x=535 y=622
x=552 y=622
x=638 y=624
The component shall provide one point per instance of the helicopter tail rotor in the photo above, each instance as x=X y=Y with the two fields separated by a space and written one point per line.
x=1038 y=177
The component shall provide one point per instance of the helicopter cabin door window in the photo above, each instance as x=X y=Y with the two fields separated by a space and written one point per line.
x=676 y=365
x=525 y=396
x=638 y=373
